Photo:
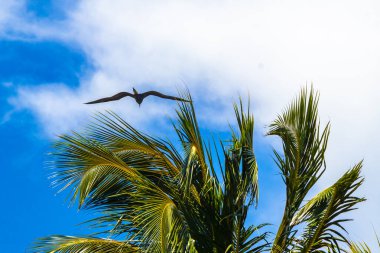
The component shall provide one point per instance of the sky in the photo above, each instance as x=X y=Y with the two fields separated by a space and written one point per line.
x=56 y=55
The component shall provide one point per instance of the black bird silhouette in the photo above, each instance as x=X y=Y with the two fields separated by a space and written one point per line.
x=139 y=97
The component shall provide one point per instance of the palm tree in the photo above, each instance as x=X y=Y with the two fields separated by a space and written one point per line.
x=153 y=196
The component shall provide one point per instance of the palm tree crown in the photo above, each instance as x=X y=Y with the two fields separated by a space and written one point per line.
x=155 y=197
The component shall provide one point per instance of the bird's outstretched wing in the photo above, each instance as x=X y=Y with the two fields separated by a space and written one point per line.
x=112 y=98
x=158 y=94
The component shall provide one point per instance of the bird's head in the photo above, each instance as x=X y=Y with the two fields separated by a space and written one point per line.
x=135 y=91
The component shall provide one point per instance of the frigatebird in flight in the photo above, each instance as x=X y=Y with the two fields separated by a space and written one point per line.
x=139 y=97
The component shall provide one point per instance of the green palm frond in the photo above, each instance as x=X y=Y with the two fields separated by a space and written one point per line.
x=158 y=220
x=253 y=244
x=70 y=244
x=303 y=160
x=323 y=213
x=191 y=140
x=359 y=248
x=137 y=149
x=91 y=168
x=241 y=184
x=244 y=143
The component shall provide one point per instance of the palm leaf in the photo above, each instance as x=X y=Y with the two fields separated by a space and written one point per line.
x=241 y=185
x=157 y=217
x=303 y=161
x=91 y=168
x=138 y=149
x=323 y=213
x=189 y=134
x=66 y=244
x=359 y=248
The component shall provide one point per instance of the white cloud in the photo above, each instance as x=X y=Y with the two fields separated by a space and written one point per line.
x=7 y=11
x=61 y=109
x=18 y=23
x=222 y=48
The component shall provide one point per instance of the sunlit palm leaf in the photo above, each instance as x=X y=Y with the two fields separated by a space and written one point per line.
x=70 y=244
x=303 y=159
x=359 y=248
x=191 y=139
x=323 y=213
x=90 y=167
x=144 y=151
x=362 y=247
x=156 y=216
x=241 y=185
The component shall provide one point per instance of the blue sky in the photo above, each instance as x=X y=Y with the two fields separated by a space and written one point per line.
x=30 y=208
x=55 y=55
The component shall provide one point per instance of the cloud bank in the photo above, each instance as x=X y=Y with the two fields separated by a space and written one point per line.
x=220 y=49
